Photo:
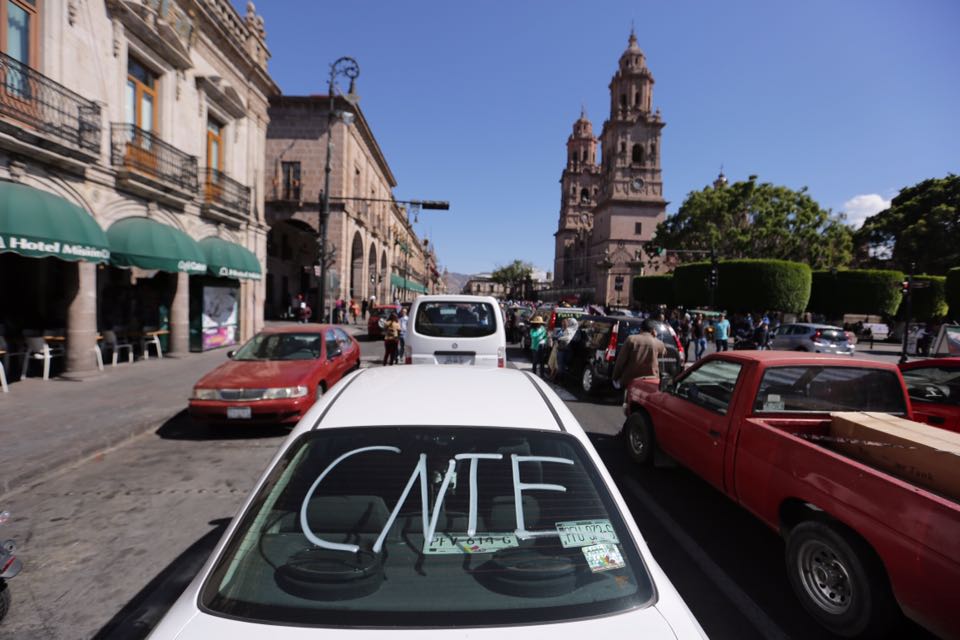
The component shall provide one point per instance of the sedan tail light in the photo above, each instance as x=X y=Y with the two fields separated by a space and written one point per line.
x=611 y=353
x=501 y=357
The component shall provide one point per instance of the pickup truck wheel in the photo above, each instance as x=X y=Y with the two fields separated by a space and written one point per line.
x=639 y=437
x=839 y=581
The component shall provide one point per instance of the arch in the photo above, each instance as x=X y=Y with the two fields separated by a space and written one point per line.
x=637 y=156
x=356 y=267
x=372 y=268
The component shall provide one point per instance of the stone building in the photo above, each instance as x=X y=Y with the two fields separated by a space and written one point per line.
x=611 y=203
x=131 y=173
x=374 y=250
x=484 y=285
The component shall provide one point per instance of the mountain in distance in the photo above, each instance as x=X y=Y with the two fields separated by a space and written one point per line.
x=456 y=281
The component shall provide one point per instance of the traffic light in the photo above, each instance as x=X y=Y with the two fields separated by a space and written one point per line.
x=714 y=277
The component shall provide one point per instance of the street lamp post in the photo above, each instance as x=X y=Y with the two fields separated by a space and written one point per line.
x=349 y=68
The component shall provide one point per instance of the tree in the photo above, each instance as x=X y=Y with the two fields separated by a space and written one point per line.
x=856 y=291
x=952 y=293
x=745 y=285
x=750 y=220
x=513 y=276
x=919 y=230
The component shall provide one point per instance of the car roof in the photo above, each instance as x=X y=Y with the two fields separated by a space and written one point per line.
x=299 y=328
x=456 y=298
x=787 y=358
x=438 y=395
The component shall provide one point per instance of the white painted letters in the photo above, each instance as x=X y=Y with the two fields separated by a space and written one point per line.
x=518 y=488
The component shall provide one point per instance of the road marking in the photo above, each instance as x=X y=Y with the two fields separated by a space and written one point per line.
x=750 y=609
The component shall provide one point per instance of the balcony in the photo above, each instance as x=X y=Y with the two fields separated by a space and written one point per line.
x=149 y=166
x=223 y=197
x=45 y=115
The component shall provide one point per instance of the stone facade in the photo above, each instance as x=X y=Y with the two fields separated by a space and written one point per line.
x=375 y=250
x=611 y=206
x=207 y=64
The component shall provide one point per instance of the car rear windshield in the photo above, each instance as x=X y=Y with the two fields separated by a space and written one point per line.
x=832 y=335
x=822 y=389
x=664 y=335
x=524 y=531
x=455 y=319
x=281 y=346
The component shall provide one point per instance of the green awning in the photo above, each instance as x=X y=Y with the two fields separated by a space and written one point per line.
x=397 y=281
x=230 y=260
x=416 y=287
x=38 y=224
x=148 y=244
x=404 y=283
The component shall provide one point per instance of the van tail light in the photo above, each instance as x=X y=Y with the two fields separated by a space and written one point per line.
x=553 y=322
x=501 y=357
x=611 y=353
x=407 y=355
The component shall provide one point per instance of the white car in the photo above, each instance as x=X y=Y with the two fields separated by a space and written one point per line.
x=526 y=533
x=454 y=329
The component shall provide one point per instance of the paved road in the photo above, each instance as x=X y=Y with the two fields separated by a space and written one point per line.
x=110 y=544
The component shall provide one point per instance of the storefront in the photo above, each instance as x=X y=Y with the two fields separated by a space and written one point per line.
x=145 y=288
x=215 y=297
x=48 y=252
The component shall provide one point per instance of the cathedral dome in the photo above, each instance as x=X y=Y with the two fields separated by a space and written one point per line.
x=632 y=58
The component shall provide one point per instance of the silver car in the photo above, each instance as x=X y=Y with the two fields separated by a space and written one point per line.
x=814 y=338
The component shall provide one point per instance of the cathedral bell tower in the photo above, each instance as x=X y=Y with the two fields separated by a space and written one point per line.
x=579 y=188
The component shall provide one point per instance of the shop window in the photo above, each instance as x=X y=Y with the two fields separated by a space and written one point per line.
x=291 y=180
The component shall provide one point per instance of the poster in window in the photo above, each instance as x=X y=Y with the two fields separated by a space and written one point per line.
x=220 y=311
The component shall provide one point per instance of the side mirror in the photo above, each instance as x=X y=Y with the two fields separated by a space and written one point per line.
x=231 y=353
x=665 y=382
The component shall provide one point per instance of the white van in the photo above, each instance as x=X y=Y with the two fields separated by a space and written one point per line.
x=456 y=330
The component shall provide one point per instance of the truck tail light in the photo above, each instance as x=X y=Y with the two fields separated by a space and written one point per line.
x=501 y=357
x=611 y=353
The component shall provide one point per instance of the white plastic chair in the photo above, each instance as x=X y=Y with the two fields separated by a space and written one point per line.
x=38 y=349
x=146 y=341
x=114 y=345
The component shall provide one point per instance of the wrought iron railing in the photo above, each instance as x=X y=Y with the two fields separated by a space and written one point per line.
x=135 y=149
x=48 y=107
x=219 y=188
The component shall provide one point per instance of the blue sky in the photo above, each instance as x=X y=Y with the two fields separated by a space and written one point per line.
x=473 y=102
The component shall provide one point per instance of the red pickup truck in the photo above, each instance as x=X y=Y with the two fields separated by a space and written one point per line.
x=861 y=544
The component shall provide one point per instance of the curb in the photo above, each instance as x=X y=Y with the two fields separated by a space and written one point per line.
x=65 y=459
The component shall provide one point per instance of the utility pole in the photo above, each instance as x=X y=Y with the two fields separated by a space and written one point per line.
x=908 y=294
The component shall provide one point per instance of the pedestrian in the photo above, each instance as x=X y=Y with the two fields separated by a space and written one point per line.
x=340 y=311
x=302 y=310
x=354 y=310
x=363 y=309
x=699 y=336
x=761 y=334
x=570 y=326
x=722 y=333
x=391 y=339
x=538 y=346
x=404 y=320
x=686 y=336
x=639 y=356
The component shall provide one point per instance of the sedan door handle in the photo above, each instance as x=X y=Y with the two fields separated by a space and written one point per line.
x=714 y=433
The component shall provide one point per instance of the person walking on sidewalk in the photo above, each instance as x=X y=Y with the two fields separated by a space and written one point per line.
x=699 y=336
x=722 y=333
x=354 y=310
x=538 y=345
x=363 y=309
x=639 y=356
x=391 y=338
x=404 y=321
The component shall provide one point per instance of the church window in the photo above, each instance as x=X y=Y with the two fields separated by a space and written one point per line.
x=637 y=154
x=636 y=99
x=638 y=228
x=584 y=195
x=584 y=155
x=623 y=147
x=653 y=150
x=573 y=189
x=623 y=100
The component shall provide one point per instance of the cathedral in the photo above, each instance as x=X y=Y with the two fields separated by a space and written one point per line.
x=611 y=202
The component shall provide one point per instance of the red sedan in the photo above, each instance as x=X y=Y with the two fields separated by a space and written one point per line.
x=275 y=377
x=378 y=313
x=934 y=387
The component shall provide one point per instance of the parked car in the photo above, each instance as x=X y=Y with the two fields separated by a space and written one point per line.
x=378 y=315
x=813 y=338
x=521 y=534
x=276 y=376
x=594 y=349
x=934 y=388
x=862 y=545
x=456 y=329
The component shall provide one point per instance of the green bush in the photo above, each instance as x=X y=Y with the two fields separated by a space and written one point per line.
x=952 y=293
x=866 y=291
x=929 y=302
x=648 y=291
x=745 y=285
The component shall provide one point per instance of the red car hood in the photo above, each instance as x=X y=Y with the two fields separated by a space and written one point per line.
x=259 y=374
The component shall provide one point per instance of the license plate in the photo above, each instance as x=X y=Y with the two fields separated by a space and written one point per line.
x=581 y=533
x=238 y=412
x=454 y=359
x=461 y=543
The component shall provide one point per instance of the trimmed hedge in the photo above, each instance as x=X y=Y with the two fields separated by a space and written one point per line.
x=952 y=293
x=652 y=290
x=929 y=302
x=866 y=291
x=745 y=285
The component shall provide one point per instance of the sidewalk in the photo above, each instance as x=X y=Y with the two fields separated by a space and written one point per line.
x=45 y=426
